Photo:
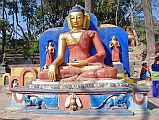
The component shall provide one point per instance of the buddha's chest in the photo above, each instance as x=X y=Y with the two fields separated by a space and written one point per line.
x=75 y=38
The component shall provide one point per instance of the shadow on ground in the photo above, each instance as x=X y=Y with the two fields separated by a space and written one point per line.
x=152 y=106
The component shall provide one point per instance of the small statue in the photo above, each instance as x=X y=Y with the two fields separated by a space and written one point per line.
x=131 y=36
x=82 y=65
x=15 y=83
x=115 y=46
x=49 y=54
x=73 y=102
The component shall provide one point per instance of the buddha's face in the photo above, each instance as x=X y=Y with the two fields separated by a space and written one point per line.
x=77 y=19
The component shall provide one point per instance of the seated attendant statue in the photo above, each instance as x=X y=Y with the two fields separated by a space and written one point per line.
x=81 y=66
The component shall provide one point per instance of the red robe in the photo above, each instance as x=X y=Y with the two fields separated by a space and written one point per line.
x=81 y=51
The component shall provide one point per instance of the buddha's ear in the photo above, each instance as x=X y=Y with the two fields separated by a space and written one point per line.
x=69 y=23
x=86 y=20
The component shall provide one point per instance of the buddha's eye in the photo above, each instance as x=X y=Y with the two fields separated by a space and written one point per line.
x=79 y=17
x=72 y=17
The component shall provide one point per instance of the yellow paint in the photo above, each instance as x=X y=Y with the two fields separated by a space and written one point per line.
x=28 y=74
x=129 y=81
x=3 y=78
x=16 y=71
x=122 y=75
x=28 y=78
x=107 y=25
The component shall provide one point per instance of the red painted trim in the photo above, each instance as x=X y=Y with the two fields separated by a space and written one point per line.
x=136 y=100
x=27 y=69
x=16 y=99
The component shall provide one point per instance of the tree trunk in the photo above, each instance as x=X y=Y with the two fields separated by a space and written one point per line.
x=21 y=28
x=89 y=5
x=17 y=21
x=3 y=29
x=131 y=17
x=42 y=10
x=116 y=14
x=150 y=37
x=28 y=28
x=133 y=24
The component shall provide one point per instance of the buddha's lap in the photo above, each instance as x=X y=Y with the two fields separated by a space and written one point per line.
x=88 y=72
x=93 y=71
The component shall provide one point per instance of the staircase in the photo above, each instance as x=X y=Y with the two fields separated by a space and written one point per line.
x=136 y=60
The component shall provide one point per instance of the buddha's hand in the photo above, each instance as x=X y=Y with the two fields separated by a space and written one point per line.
x=52 y=72
x=80 y=63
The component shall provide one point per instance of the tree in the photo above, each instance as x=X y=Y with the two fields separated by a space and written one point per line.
x=150 y=37
x=111 y=11
x=89 y=5
x=38 y=17
x=3 y=27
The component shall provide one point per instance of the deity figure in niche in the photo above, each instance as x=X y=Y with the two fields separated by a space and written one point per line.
x=81 y=66
x=115 y=46
x=49 y=54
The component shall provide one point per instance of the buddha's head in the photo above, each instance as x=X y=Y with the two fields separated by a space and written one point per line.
x=50 y=44
x=78 y=18
x=114 y=38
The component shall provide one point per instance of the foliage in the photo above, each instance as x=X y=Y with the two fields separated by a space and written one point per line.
x=4 y=23
x=39 y=15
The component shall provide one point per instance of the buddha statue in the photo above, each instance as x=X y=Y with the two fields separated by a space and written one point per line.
x=81 y=66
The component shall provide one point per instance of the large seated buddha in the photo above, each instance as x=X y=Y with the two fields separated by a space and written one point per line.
x=81 y=65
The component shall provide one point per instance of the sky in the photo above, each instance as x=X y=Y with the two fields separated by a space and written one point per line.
x=156 y=9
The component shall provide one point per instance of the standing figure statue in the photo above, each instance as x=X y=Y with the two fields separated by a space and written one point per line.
x=131 y=36
x=81 y=66
x=115 y=46
x=49 y=54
